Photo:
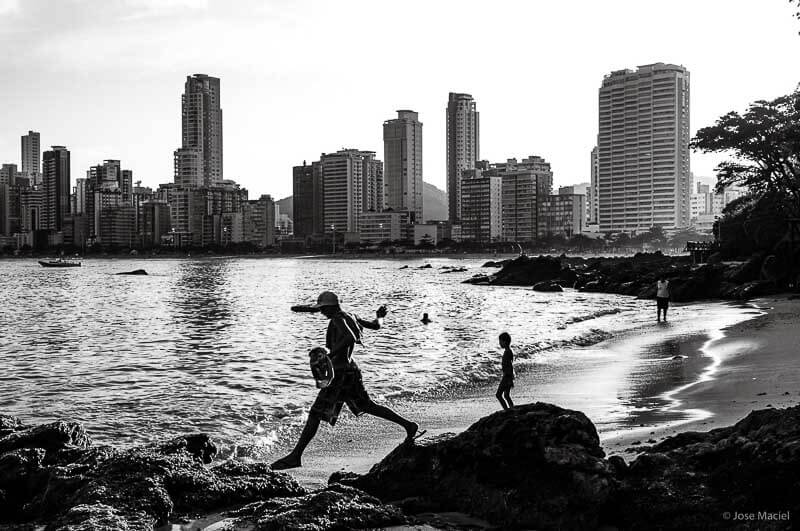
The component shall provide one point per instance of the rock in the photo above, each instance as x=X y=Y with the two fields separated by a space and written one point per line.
x=9 y=424
x=548 y=286
x=568 y=276
x=134 y=272
x=746 y=271
x=50 y=473
x=532 y=466
x=426 y=266
x=714 y=258
x=335 y=507
x=526 y=271
x=688 y=481
x=500 y=263
x=52 y=437
x=479 y=280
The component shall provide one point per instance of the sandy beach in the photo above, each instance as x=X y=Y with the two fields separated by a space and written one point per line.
x=641 y=386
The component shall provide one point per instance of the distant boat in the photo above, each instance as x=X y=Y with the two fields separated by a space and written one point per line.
x=59 y=263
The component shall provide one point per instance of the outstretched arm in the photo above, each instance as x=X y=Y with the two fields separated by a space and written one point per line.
x=304 y=308
x=375 y=324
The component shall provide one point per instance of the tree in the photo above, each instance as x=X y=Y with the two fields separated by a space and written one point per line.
x=764 y=143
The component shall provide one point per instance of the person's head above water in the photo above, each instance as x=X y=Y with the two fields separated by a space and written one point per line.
x=425 y=318
x=505 y=340
x=328 y=303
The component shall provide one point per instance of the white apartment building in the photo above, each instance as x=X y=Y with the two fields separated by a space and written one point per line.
x=643 y=149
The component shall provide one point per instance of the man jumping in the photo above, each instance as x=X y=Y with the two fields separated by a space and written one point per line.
x=344 y=331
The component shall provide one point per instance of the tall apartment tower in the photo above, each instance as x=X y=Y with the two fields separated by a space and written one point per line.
x=594 y=198
x=307 y=206
x=202 y=130
x=31 y=155
x=402 y=157
x=463 y=147
x=56 y=179
x=643 y=149
x=352 y=183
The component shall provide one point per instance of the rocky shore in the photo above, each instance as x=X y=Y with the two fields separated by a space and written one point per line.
x=534 y=466
x=637 y=275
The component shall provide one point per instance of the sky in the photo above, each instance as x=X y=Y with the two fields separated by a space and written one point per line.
x=299 y=78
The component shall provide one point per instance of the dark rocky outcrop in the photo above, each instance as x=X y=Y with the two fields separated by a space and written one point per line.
x=534 y=466
x=548 y=286
x=134 y=272
x=690 y=480
x=335 y=507
x=50 y=473
x=525 y=271
x=637 y=276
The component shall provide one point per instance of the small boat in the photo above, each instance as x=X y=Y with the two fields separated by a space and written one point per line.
x=59 y=263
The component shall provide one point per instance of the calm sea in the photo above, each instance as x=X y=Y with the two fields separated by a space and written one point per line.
x=210 y=344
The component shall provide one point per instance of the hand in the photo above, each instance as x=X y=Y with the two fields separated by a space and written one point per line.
x=381 y=313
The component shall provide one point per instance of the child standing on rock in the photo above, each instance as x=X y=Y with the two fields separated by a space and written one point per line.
x=507 y=382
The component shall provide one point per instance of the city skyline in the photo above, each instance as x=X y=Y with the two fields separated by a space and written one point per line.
x=272 y=101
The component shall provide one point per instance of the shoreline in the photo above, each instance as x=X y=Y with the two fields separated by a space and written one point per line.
x=646 y=394
x=755 y=370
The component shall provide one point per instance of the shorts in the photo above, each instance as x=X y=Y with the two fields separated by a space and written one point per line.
x=662 y=303
x=506 y=384
x=346 y=388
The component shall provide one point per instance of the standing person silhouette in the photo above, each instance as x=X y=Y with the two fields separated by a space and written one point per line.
x=344 y=332
x=662 y=298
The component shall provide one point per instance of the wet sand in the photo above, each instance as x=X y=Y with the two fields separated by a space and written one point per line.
x=758 y=367
x=640 y=386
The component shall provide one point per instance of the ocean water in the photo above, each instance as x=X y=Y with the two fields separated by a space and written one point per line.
x=210 y=344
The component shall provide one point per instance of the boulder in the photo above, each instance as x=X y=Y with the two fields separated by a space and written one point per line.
x=745 y=272
x=52 y=437
x=49 y=473
x=526 y=271
x=548 y=286
x=335 y=507
x=690 y=480
x=532 y=466
x=134 y=272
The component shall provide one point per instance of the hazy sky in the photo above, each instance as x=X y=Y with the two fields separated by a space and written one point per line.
x=104 y=77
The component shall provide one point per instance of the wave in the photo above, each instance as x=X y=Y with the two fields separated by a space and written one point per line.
x=587 y=317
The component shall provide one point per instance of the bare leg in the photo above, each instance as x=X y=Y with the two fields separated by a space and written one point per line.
x=385 y=413
x=293 y=460
x=499 y=396
x=507 y=396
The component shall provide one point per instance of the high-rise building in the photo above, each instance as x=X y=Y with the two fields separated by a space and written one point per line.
x=643 y=149
x=8 y=174
x=308 y=200
x=481 y=205
x=202 y=126
x=261 y=229
x=56 y=179
x=352 y=183
x=31 y=157
x=563 y=214
x=594 y=190
x=189 y=167
x=584 y=189
x=463 y=147
x=81 y=189
x=525 y=183
x=402 y=154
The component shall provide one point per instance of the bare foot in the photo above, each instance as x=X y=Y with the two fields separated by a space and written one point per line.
x=290 y=461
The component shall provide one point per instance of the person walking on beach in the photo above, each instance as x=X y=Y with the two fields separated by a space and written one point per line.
x=662 y=298
x=344 y=332
x=507 y=381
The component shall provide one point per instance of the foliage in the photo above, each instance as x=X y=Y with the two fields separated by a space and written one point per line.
x=764 y=143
